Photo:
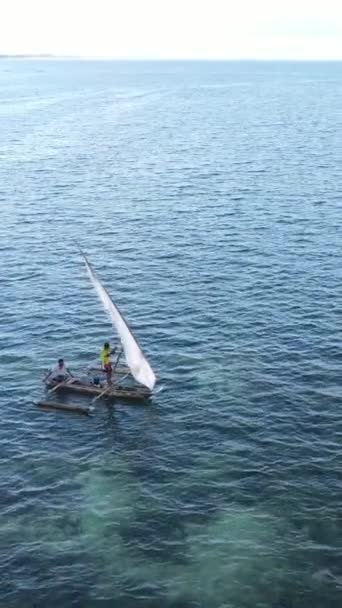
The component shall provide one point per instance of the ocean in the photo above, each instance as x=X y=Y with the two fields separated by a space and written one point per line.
x=208 y=198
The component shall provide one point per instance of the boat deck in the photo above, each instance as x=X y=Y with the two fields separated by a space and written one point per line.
x=114 y=392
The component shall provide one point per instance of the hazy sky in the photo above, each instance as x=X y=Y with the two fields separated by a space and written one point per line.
x=158 y=29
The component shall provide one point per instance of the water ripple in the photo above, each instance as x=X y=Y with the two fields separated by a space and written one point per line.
x=206 y=198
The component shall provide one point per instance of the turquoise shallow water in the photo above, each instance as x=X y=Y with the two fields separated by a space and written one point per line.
x=208 y=197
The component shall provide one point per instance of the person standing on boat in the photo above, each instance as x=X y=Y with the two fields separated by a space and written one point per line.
x=59 y=373
x=106 y=352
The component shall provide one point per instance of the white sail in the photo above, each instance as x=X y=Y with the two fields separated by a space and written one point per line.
x=139 y=366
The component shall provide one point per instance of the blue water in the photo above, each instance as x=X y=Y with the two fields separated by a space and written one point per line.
x=208 y=197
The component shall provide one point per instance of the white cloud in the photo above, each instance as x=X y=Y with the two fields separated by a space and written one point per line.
x=173 y=28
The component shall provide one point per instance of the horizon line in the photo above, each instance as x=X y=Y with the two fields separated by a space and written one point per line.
x=53 y=56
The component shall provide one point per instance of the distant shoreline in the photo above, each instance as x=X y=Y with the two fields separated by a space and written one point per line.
x=42 y=56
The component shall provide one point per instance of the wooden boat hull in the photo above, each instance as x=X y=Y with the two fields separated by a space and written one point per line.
x=116 y=392
x=67 y=407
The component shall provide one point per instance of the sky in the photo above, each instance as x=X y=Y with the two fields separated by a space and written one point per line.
x=173 y=29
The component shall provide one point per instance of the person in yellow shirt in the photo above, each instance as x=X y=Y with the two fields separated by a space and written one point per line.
x=105 y=354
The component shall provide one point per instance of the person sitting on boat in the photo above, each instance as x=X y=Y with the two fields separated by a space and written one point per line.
x=59 y=373
x=105 y=354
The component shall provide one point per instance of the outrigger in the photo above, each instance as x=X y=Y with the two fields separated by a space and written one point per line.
x=139 y=376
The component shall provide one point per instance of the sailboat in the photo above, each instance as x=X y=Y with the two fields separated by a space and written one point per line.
x=138 y=368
